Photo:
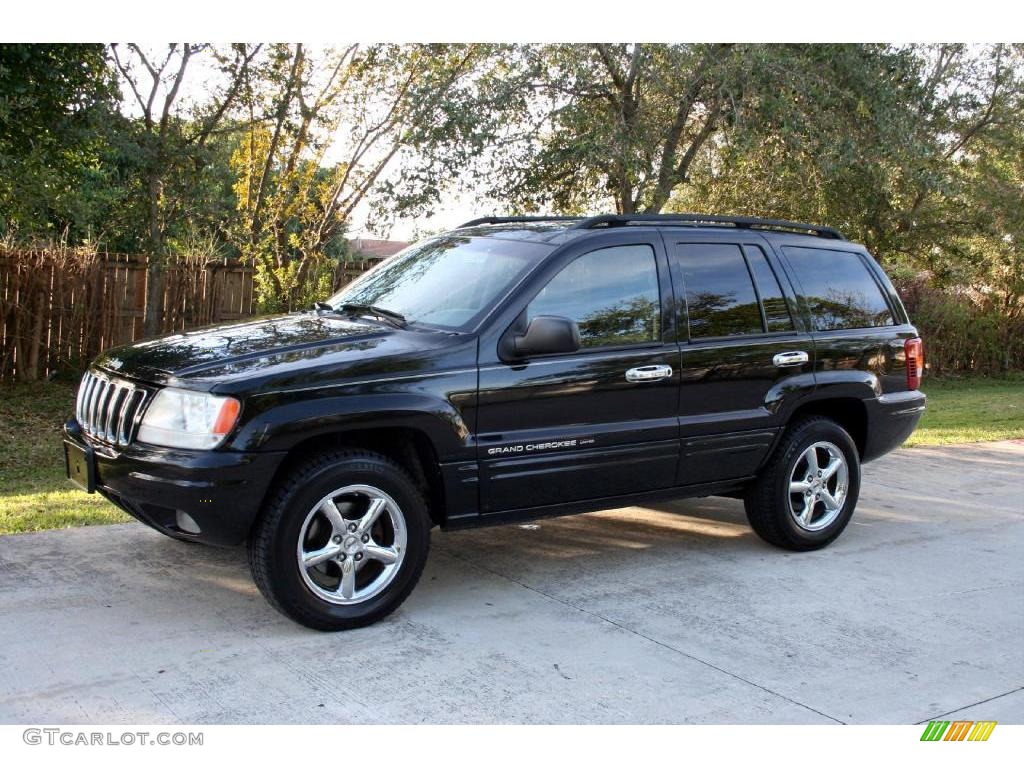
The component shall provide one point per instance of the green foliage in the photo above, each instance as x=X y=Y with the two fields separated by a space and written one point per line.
x=619 y=123
x=964 y=333
x=54 y=100
x=826 y=136
x=336 y=122
x=914 y=150
x=295 y=284
x=469 y=100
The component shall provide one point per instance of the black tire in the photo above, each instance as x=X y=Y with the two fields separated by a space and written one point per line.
x=273 y=544
x=768 y=499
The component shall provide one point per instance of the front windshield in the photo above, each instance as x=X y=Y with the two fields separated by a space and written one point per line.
x=447 y=281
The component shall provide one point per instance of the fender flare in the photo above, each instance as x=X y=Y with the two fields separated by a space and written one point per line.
x=282 y=426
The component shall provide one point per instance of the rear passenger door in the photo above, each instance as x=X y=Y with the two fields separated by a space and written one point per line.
x=744 y=352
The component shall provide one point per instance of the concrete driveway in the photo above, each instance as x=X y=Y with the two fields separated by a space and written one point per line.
x=676 y=613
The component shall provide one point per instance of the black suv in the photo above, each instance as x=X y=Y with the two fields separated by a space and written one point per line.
x=513 y=368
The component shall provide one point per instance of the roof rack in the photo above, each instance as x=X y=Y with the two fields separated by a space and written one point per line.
x=516 y=220
x=740 y=222
x=694 y=219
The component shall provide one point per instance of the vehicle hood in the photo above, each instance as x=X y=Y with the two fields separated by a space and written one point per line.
x=294 y=348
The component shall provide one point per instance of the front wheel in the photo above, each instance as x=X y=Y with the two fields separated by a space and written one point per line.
x=805 y=496
x=342 y=542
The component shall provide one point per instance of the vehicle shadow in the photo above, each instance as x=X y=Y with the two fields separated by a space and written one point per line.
x=214 y=584
x=614 y=537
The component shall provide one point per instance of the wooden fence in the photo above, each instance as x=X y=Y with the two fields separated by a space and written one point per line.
x=61 y=307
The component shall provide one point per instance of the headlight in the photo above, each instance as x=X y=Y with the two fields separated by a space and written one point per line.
x=179 y=418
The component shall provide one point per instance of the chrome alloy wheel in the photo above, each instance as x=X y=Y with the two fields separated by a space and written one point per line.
x=352 y=544
x=818 y=484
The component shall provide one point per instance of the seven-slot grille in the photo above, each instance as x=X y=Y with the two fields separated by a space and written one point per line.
x=107 y=408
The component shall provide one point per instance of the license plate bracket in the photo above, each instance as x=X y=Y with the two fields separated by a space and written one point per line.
x=80 y=464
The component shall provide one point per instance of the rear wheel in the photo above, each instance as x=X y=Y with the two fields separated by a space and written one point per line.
x=805 y=496
x=342 y=542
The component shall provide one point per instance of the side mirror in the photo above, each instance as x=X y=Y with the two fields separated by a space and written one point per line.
x=545 y=335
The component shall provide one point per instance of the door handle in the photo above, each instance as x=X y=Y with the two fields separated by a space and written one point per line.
x=786 y=359
x=649 y=373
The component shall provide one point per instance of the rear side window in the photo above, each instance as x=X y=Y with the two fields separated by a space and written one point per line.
x=612 y=294
x=838 y=288
x=720 y=298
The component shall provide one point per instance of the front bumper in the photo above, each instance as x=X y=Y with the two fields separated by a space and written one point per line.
x=222 y=491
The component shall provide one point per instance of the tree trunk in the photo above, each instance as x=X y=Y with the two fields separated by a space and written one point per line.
x=624 y=198
x=152 y=325
x=32 y=364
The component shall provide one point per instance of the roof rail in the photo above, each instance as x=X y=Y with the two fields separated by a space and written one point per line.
x=516 y=220
x=741 y=222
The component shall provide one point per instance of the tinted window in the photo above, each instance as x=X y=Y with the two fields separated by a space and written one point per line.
x=776 y=310
x=611 y=293
x=448 y=281
x=839 y=290
x=720 y=298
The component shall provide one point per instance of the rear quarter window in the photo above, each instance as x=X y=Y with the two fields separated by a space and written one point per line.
x=839 y=289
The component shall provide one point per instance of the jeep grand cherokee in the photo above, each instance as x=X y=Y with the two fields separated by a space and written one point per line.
x=513 y=368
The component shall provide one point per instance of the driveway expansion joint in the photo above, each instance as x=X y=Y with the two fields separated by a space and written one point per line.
x=972 y=704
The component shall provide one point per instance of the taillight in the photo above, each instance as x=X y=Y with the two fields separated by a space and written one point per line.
x=913 y=349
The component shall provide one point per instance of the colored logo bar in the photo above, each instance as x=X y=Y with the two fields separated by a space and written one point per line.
x=958 y=730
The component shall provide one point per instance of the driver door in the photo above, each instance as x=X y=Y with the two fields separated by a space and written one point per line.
x=597 y=422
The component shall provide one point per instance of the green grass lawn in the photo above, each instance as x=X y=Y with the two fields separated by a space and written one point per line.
x=971 y=410
x=35 y=495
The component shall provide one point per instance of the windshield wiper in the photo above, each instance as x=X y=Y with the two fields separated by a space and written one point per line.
x=396 y=319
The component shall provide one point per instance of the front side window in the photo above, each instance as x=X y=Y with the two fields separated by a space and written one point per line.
x=838 y=288
x=612 y=294
x=448 y=281
x=720 y=297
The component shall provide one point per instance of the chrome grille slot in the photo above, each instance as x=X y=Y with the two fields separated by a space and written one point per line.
x=107 y=408
x=114 y=414
x=94 y=398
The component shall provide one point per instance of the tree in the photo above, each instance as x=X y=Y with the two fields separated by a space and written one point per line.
x=167 y=142
x=618 y=122
x=323 y=128
x=895 y=146
x=54 y=101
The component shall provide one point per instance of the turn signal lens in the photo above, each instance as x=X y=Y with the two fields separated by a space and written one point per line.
x=227 y=417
